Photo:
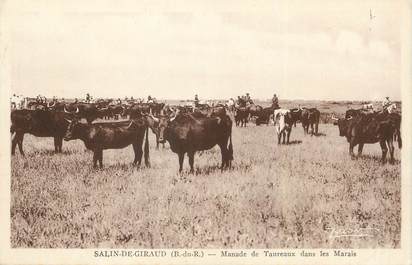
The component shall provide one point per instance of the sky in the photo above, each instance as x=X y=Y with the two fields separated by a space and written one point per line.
x=333 y=50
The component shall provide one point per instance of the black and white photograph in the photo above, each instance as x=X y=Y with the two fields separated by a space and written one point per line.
x=227 y=126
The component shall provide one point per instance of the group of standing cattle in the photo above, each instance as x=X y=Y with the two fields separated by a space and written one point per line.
x=186 y=132
x=360 y=127
x=186 y=129
x=282 y=118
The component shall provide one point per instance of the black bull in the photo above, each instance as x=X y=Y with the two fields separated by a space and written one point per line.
x=115 y=135
x=88 y=111
x=39 y=123
x=188 y=133
x=144 y=108
x=310 y=118
x=369 y=129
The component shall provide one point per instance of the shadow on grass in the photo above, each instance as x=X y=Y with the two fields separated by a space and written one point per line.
x=49 y=153
x=290 y=143
x=115 y=168
x=295 y=142
x=375 y=159
x=127 y=166
x=315 y=134
x=213 y=169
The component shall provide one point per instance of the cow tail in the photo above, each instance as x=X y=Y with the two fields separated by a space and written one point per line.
x=146 y=148
x=230 y=148
x=399 y=138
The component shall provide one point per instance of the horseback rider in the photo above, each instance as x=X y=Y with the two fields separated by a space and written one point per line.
x=386 y=103
x=248 y=99
x=241 y=101
x=14 y=100
x=231 y=104
x=196 y=101
x=275 y=101
x=87 y=98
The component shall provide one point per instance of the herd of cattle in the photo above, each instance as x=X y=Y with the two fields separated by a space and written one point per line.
x=188 y=129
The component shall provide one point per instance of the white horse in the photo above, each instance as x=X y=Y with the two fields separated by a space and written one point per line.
x=230 y=104
x=18 y=102
x=391 y=108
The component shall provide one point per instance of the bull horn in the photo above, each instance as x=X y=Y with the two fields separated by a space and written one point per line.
x=68 y=120
x=130 y=125
x=65 y=110
x=174 y=117
x=333 y=118
x=350 y=117
x=77 y=110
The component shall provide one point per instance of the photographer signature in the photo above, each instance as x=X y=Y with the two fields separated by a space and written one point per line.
x=352 y=232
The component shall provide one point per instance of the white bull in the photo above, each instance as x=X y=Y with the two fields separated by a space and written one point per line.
x=283 y=124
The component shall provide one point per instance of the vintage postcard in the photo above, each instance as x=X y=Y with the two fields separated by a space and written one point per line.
x=205 y=132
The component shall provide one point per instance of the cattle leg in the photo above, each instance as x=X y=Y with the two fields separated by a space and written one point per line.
x=223 y=151
x=58 y=144
x=146 y=149
x=316 y=128
x=101 y=158
x=95 y=157
x=351 y=146
x=14 y=143
x=181 y=158
x=191 y=156
x=279 y=137
x=360 y=149
x=157 y=142
x=391 y=149
x=284 y=137
x=288 y=136
x=20 y=143
x=311 y=129
x=384 y=151
x=136 y=152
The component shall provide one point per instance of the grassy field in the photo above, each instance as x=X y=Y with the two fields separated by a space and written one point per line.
x=308 y=194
